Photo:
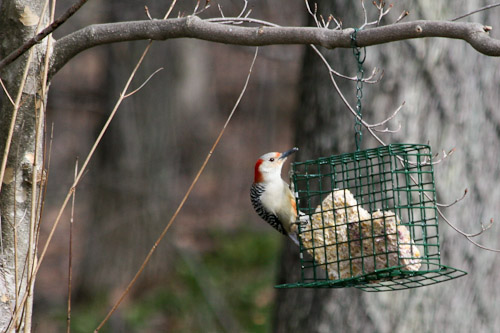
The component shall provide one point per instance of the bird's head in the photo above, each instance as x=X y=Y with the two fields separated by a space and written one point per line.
x=269 y=165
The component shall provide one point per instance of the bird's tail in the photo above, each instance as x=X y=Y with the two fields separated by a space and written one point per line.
x=294 y=238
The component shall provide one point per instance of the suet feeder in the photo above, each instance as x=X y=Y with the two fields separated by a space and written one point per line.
x=370 y=220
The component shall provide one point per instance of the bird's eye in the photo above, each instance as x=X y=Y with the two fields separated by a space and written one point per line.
x=271 y=159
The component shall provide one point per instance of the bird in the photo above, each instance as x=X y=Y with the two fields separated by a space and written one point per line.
x=271 y=196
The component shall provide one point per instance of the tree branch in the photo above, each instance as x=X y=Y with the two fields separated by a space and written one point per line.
x=42 y=34
x=194 y=27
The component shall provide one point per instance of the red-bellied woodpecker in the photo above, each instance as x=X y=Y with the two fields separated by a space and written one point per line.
x=270 y=195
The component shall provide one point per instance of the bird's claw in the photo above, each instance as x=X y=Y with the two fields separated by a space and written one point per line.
x=302 y=221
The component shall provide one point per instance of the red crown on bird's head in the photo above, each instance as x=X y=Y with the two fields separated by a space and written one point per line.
x=270 y=161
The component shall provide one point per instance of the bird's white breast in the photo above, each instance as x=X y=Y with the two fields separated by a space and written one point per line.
x=276 y=199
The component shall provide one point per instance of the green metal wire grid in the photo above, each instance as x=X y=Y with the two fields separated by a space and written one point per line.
x=379 y=231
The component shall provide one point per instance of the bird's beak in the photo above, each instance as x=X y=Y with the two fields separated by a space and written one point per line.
x=285 y=154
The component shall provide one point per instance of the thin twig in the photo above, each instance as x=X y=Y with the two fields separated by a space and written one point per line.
x=388 y=119
x=42 y=34
x=323 y=24
x=248 y=13
x=467 y=235
x=70 y=266
x=387 y=130
x=365 y=15
x=146 y=9
x=381 y=11
x=196 y=7
x=172 y=5
x=244 y=8
x=220 y=10
x=476 y=11
x=143 y=84
x=441 y=159
x=313 y=14
x=404 y=14
x=7 y=93
x=45 y=179
x=188 y=192
x=197 y=12
x=454 y=202
x=374 y=77
x=235 y=20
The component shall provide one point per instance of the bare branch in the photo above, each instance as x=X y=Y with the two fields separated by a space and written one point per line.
x=42 y=34
x=389 y=118
x=381 y=13
x=365 y=15
x=7 y=93
x=432 y=160
x=196 y=11
x=172 y=5
x=445 y=156
x=143 y=84
x=194 y=27
x=404 y=14
x=374 y=77
x=146 y=9
x=196 y=7
x=454 y=202
x=387 y=130
x=467 y=235
x=243 y=9
x=239 y=20
x=70 y=254
x=313 y=14
x=476 y=11
x=220 y=10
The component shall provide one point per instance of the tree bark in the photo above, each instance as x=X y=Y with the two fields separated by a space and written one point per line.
x=193 y=27
x=451 y=101
x=18 y=20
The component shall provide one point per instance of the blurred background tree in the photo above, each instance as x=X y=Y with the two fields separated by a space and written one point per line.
x=452 y=100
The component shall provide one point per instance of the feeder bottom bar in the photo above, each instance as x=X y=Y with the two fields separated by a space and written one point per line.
x=348 y=241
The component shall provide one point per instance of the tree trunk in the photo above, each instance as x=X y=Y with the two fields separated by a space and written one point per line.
x=18 y=20
x=451 y=95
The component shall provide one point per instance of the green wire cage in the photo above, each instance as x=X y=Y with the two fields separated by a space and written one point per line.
x=370 y=220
